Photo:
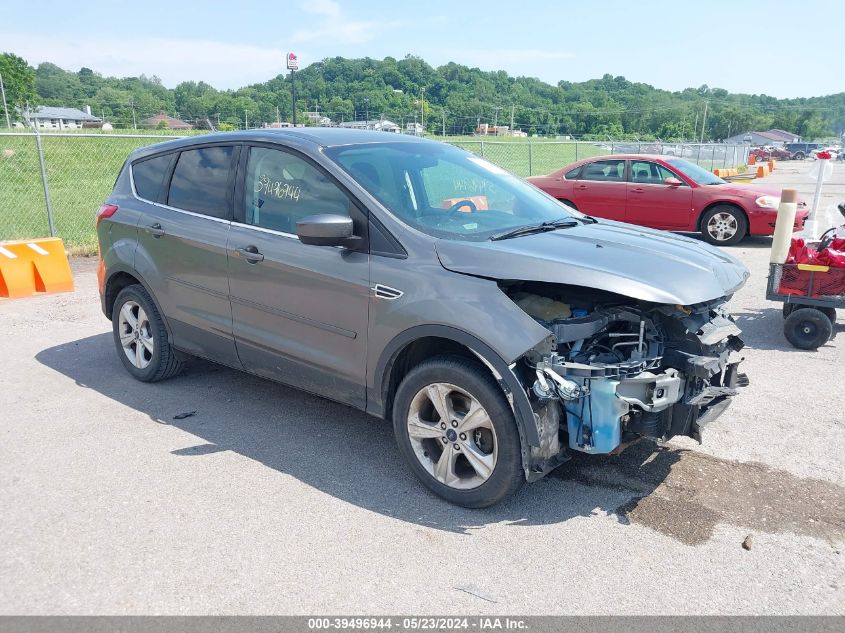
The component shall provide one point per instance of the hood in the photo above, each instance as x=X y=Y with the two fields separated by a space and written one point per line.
x=628 y=260
x=747 y=189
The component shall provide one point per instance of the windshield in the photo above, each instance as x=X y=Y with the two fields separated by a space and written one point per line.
x=694 y=172
x=445 y=191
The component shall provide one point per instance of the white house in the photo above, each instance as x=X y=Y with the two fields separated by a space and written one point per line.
x=52 y=118
x=318 y=119
x=382 y=125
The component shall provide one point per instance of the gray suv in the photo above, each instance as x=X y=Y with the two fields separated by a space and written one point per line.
x=499 y=329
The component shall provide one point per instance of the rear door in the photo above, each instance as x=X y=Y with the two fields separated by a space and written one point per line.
x=601 y=189
x=300 y=312
x=181 y=250
x=651 y=202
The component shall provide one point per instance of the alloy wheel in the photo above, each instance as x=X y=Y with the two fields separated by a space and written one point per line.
x=136 y=337
x=452 y=436
x=722 y=226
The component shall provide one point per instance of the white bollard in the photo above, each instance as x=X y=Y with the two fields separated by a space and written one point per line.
x=784 y=225
x=811 y=229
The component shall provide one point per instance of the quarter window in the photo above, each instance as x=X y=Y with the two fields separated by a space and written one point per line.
x=148 y=174
x=282 y=188
x=572 y=174
x=200 y=181
x=606 y=170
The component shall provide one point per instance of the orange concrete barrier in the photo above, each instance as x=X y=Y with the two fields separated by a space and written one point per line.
x=762 y=170
x=752 y=159
x=771 y=165
x=31 y=266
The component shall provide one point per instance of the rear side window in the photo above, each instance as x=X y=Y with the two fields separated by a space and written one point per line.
x=606 y=170
x=201 y=181
x=148 y=175
x=572 y=174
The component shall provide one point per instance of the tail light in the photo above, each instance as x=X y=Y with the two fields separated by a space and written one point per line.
x=106 y=211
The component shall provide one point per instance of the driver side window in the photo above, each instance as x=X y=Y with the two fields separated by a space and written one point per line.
x=281 y=189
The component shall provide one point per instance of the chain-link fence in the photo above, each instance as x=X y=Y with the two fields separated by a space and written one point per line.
x=536 y=157
x=52 y=184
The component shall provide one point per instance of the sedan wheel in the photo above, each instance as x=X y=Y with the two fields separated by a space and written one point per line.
x=724 y=225
x=136 y=337
x=452 y=436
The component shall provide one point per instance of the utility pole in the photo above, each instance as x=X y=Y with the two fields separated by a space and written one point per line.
x=444 y=122
x=422 y=110
x=293 y=95
x=367 y=110
x=512 y=109
x=703 y=122
x=496 y=116
x=5 y=107
x=246 y=119
x=132 y=103
x=278 y=118
x=695 y=128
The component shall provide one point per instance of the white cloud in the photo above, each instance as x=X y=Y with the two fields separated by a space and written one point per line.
x=335 y=27
x=327 y=8
x=221 y=64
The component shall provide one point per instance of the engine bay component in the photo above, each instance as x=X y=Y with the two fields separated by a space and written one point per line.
x=621 y=369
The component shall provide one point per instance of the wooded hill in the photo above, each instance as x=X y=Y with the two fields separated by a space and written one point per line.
x=452 y=96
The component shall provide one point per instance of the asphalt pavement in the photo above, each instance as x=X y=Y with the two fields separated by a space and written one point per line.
x=269 y=501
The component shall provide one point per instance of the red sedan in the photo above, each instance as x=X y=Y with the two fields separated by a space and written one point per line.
x=668 y=193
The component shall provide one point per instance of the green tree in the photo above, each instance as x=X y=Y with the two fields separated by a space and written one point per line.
x=19 y=84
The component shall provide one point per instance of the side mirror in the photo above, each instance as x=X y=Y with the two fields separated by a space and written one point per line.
x=842 y=208
x=326 y=229
x=672 y=182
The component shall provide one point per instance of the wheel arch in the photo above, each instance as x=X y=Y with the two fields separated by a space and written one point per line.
x=719 y=203
x=419 y=343
x=119 y=278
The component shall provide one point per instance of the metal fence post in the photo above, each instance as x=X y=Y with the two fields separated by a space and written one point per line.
x=50 y=225
x=530 y=160
x=576 y=150
x=698 y=157
x=712 y=157
x=482 y=147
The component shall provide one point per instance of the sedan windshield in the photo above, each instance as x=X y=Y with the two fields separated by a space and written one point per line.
x=447 y=192
x=694 y=172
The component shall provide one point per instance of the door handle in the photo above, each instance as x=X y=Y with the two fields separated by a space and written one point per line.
x=250 y=254
x=580 y=187
x=638 y=190
x=155 y=230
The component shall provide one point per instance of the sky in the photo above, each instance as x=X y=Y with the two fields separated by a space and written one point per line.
x=777 y=47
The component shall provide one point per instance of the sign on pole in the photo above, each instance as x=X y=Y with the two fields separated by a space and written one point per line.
x=293 y=62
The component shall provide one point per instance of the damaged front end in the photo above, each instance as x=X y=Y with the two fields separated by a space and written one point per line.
x=620 y=369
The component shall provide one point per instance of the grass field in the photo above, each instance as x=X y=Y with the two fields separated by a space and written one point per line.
x=81 y=171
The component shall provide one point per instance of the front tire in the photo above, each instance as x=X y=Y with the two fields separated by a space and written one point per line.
x=457 y=432
x=141 y=338
x=724 y=225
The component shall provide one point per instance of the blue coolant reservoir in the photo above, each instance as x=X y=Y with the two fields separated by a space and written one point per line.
x=594 y=422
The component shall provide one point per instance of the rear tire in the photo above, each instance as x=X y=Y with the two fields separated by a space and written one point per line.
x=799 y=156
x=478 y=440
x=724 y=225
x=808 y=328
x=141 y=338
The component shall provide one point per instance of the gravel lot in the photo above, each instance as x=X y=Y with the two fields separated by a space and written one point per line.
x=268 y=501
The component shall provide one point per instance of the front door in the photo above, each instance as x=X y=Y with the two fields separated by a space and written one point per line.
x=600 y=190
x=653 y=203
x=299 y=312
